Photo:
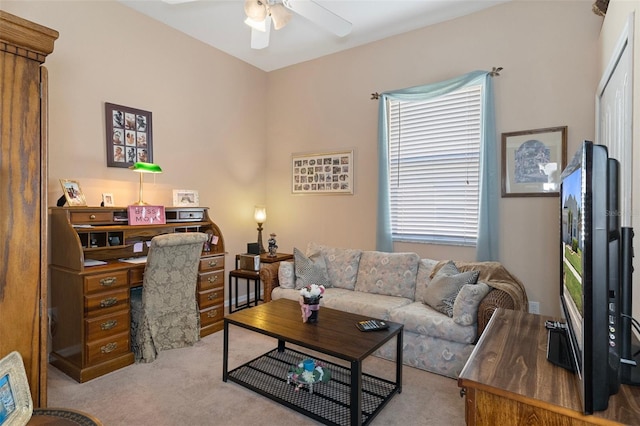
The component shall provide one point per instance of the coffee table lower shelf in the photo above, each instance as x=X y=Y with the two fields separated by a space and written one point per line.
x=329 y=403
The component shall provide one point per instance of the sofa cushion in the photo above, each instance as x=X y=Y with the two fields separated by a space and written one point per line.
x=465 y=307
x=309 y=270
x=445 y=285
x=342 y=264
x=391 y=274
x=423 y=319
x=367 y=304
x=286 y=275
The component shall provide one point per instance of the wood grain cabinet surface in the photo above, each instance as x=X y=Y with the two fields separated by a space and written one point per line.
x=508 y=380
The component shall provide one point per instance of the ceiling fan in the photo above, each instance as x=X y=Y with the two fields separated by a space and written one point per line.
x=261 y=13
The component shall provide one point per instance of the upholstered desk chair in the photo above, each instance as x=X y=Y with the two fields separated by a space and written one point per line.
x=164 y=312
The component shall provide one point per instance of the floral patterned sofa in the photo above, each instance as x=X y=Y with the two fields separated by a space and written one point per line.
x=438 y=335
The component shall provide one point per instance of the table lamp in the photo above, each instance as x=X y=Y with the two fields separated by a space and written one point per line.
x=141 y=167
x=260 y=216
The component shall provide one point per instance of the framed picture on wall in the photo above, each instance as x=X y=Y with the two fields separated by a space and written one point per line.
x=322 y=173
x=129 y=135
x=532 y=161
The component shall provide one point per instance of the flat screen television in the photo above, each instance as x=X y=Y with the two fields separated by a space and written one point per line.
x=590 y=273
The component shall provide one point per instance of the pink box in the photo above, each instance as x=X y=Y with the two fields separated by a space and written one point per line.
x=147 y=215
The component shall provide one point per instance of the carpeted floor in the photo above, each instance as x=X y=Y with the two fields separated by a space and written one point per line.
x=185 y=387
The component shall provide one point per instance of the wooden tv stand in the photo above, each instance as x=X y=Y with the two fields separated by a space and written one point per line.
x=90 y=311
x=508 y=380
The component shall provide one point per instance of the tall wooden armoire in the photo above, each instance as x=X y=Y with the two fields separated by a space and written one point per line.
x=24 y=46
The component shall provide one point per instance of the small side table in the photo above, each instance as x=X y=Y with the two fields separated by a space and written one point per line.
x=250 y=276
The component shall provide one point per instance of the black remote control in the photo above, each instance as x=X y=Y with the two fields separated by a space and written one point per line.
x=372 y=325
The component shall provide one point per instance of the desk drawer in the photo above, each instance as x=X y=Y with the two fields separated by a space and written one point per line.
x=210 y=280
x=106 y=349
x=136 y=275
x=211 y=263
x=105 y=326
x=107 y=302
x=211 y=297
x=211 y=315
x=91 y=217
x=106 y=281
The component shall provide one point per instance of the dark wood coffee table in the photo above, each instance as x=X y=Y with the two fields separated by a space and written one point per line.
x=351 y=396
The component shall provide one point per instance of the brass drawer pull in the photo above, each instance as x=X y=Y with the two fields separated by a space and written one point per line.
x=108 y=325
x=212 y=314
x=109 y=347
x=93 y=216
x=212 y=279
x=213 y=263
x=212 y=296
x=108 y=281
x=105 y=303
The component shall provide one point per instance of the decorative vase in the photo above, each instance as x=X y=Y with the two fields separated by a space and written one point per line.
x=310 y=309
x=273 y=246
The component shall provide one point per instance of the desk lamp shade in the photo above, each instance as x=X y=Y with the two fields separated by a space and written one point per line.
x=142 y=168
x=260 y=216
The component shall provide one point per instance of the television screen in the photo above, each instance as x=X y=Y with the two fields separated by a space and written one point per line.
x=589 y=273
x=572 y=254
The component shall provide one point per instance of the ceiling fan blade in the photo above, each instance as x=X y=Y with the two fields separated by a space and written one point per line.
x=260 y=39
x=320 y=15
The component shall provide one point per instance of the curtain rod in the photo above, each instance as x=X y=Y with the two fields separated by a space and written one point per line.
x=495 y=72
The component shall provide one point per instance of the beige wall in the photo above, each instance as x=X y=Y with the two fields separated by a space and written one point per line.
x=210 y=112
x=549 y=79
x=618 y=14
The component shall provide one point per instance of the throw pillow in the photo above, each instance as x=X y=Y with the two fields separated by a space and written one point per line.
x=286 y=276
x=309 y=270
x=441 y=293
x=342 y=264
x=465 y=307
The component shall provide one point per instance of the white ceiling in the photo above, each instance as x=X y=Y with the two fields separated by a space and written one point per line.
x=220 y=23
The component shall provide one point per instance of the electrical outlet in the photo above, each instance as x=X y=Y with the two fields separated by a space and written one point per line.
x=534 y=307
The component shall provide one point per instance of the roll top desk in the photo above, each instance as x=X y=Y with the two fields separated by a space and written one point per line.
x=90 y=312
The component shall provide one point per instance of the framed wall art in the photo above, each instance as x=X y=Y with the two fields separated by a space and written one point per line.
x=73 y=193
x=322 y=173
x=129 y=135
x=532 y=161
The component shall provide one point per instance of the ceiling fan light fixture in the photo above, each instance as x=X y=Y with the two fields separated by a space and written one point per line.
x=257 y=25
x=255 y=9
x=280 y=15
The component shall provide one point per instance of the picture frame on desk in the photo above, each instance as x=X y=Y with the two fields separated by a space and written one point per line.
x=72 y=192
x=107 y=200
x=186 y=198
x=16 y=405
x=129 y=135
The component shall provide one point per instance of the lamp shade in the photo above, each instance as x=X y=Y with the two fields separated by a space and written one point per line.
x=260 y=214
x=142 y=167
x=280 y=15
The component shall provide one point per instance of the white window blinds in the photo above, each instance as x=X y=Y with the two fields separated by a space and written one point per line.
x=434 y=150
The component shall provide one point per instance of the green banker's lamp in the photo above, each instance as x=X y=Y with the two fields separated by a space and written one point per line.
x=142 y=168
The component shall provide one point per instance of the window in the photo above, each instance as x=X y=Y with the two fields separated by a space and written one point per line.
x=434 y=155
